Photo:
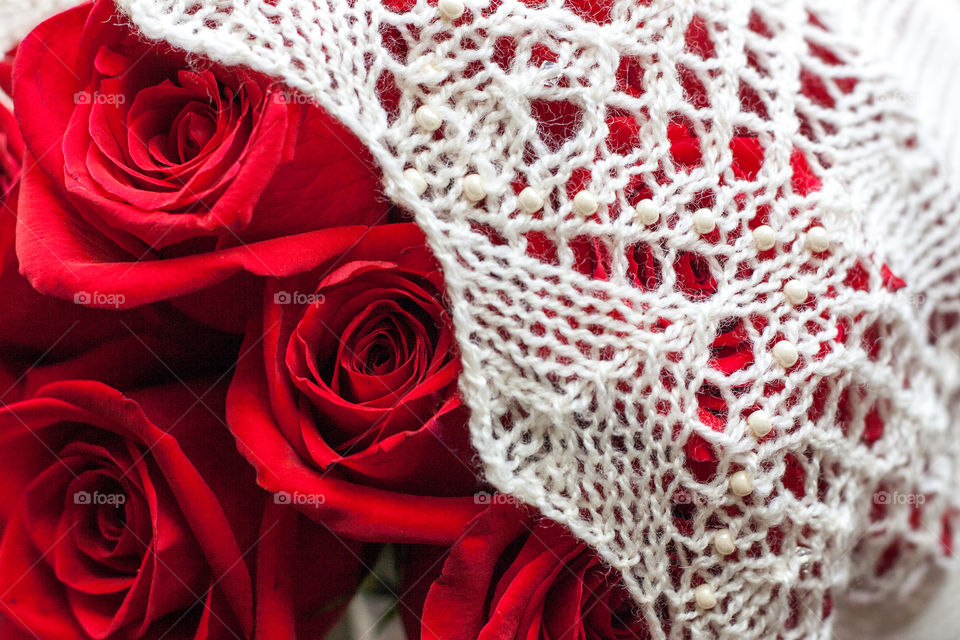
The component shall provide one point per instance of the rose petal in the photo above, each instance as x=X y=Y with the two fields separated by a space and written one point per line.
x=355 y=510
x=71 y=257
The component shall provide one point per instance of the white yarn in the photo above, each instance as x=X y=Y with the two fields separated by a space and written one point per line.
x=566 y=376
x=918 y=41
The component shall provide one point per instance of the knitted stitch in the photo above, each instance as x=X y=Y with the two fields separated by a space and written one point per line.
x=610 y=365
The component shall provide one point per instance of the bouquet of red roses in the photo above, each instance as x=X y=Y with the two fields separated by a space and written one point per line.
x=229 y=376
x=679 y=376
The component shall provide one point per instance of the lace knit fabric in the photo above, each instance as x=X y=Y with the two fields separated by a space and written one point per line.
x=594 y=372
x=917 y=41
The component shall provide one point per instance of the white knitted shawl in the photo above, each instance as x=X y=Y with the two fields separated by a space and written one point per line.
x=584 y=390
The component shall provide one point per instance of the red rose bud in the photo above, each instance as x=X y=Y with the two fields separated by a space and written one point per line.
x=124 y=517
x=348 y=389
x=514 y=576
x=152 y=171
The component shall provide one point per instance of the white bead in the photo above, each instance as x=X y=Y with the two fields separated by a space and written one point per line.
x=585 y=204
x=703 y=222
x=647 y=212
x=786 y=353
x=473 y=188
x=818 y=240
x=759 y=423
x=450 y=9
x=741 y=484
x=764 y=237
x=530 y=200
x=428 y=119
x=795 y=291
x=705 y=597
x=415 y=180
x=723 y=542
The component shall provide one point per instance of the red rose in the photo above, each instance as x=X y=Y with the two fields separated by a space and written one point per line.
x=345 y=392
x=124 y=517
x=155 y=176
x=513 y=576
